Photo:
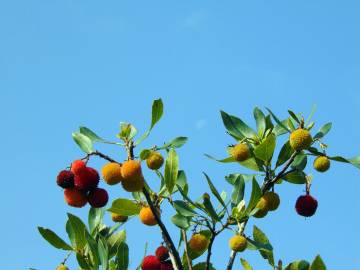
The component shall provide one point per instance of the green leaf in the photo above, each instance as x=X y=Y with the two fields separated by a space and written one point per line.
x=238 y=190
x=76 y=231
x=181 y=221
x=285 y=153
x=184 y=209
x=175 y=143
x=115 y=240
x=144 y=154
x=124 y=207
x=290 y=124
x=103 y=254
x=156 y=114
x=255 y=196
x=202 y=266
x=181 y=181
x=299 y=162
x=95 y=218
x=53 y=239
x=171 y=170
x=317 y=264
x=323 y=131
x=83 y=142
x=260 y=121
x=82 y=261
x=214 y=190
x=93 y=248
x=210 y=208
x=296 y=177
x=265 y=150
x=280 y=123
x=231 y=178
x=313 y=110
x=254 y=245
x=260 y=237
x=298 y=265
x=127 y=131
x=91 y=134
x=122 y=257
x=236 y=127
x=245 y=264
x=293 y=116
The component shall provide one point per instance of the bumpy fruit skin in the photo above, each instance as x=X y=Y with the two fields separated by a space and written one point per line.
x=78 y=166
x=87 y=179
x=75 y=197
x=321 y=164
x=272 y=201
x=306 y=205
x=151 y=262
x=65 y=179
x=131 y=169
x=166 y=266
x=98 y=197
x=62 y=267
x=300 y=139
x=132 y=185
x=111 y=173
x=240 y=152
x=147 y=217
x=118 y=218
x=238 y=243
x=198 y=242
x=162 y=253
x=154 y=161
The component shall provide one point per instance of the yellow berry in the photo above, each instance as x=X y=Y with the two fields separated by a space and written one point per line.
x=133 y=184
x=198 y=242
x=111 y=173
x=147 y=217
x=62 y=267
x=131 y=169
x=238 y=243
x=272 y=201
x=154 y=161
x=240 y=152
x=321 y=164
x=300 y=139
x=261 y=213
x=118 y=218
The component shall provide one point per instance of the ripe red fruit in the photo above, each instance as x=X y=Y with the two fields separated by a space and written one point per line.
x=86 y=179
x=98 y=197
x=78 y=166
x=151 y=262
x=74 y=197
x=65 y=179
x=306 y=205
x=162 y=253
x=166 y=265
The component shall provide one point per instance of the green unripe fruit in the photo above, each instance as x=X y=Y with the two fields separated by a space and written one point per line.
x=62 y=267
x=240 y=152
x=272 y=201
x=238 y=243
x=300 y=139
x=321 y=164
x=154 y=161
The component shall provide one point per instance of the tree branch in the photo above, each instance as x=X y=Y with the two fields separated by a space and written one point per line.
x=213 y=235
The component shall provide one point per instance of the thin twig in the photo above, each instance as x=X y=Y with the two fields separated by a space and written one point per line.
x=189 y=261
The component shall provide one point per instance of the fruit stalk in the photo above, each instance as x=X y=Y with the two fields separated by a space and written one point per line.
x=189 y=261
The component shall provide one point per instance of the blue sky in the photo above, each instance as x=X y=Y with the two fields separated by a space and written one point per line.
x=69 y=63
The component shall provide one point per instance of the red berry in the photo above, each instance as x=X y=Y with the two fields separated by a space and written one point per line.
x=151 y=262
x=65 y=179
x=98 y=197
x=306 y=205
x=166 y=266
x=162 y=253
x=86 y=179
x=78 y=166
x=74 y=197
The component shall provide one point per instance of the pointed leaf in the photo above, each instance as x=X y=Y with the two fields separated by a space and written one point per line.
x=323 y=131
x=260 y=237
x=238 y=191
x=76 y=230
x=183 y=208
x=175 y=143
x=245 y=264
x=236 y=127
x=280 y=123
x=124 y=207
x=293 y=116
x=214 y=190
x=285 y=153
x=171 y=170
x=296 y=177
x=255 y=196
x=83 y=142
x=95 y=218
x=122 y=257
x=317 y=264
x=53 y=239
x=265 y=150
x=181 y=221
x=91 y=134
x=260 y=121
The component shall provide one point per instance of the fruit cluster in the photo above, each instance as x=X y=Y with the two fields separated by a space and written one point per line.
x=80 y=185
x=159 y=261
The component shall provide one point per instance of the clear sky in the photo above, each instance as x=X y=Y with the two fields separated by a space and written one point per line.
x=95 y=63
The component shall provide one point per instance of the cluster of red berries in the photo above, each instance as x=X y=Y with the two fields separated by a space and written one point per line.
x=80 y=185
x=306 y=205
x=159 y=261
